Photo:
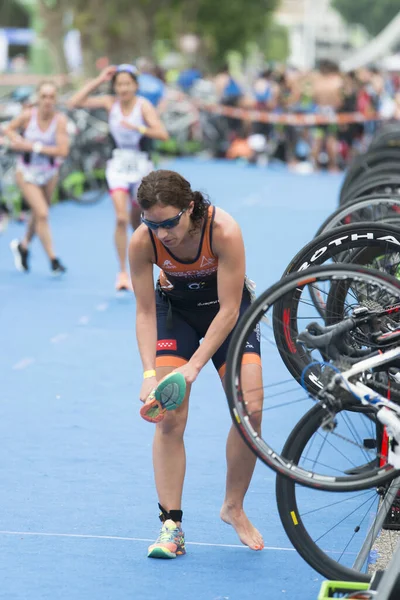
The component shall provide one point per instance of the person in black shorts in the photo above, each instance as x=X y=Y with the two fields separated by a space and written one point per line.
x=200 y=293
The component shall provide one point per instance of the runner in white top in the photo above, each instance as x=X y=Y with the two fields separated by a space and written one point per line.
x=130 y=118
x=40 y=137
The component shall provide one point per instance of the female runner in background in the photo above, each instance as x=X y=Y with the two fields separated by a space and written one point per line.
x=130 y=117
x=39 y=135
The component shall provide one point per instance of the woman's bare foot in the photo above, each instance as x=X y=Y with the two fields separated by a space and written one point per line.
x=248 y=534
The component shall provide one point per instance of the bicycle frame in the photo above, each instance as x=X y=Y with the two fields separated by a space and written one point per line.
x=389 y=413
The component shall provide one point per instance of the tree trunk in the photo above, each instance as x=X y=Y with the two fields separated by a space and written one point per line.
x=54 y=32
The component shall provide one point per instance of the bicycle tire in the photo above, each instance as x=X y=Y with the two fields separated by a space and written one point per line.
x=387 y=167
x=387 y=136
x=370 y=186
x=345 y=238
x=247 y=324
x=366 y=162
x=384 y=237
x=288 y=509
x=359 y=204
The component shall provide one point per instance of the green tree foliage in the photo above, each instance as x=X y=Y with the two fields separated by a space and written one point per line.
x=231 y=24
x=123 y=30
x=12 y=14
x=119 y=30
x=374 y=15
x=277 y=43
x=222 y=26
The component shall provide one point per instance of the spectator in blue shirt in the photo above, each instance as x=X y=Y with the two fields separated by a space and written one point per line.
x=151 y=87
x=187 y=77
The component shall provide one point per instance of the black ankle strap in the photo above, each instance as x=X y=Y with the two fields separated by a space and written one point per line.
x=174 y=515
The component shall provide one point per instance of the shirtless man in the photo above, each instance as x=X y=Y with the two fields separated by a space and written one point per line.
x=328 y=96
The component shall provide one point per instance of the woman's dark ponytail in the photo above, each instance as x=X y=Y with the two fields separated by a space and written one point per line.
x=200 y=209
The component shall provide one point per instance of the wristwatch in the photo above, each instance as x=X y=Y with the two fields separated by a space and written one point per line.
x=37 y=147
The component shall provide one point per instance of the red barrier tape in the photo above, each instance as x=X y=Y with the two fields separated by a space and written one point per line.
x=257 y=116
x=295 y=119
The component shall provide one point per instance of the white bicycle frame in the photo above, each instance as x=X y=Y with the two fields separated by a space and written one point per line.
x=389 y=412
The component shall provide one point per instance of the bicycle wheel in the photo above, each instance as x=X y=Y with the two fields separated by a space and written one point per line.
x=387 y=184
x=333 y=533
x=283 y=312
x=374 y=244
x=388 y=136
x=381 y=169
x=364 y=163
x=370 y=245
x=382 y=208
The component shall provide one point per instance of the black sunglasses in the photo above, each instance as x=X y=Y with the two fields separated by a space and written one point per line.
x=167 y=224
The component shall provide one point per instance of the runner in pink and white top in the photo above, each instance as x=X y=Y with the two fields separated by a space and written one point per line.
x=130 y=118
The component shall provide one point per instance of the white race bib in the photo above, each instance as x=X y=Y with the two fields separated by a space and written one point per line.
x=131 y=164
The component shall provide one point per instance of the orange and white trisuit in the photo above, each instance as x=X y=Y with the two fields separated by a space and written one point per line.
x=187 y=302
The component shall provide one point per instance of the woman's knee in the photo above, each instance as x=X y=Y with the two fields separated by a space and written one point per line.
x=253 y=393
x=41 y=215
x=122 y=219
x=255 y=413
x=173 y=424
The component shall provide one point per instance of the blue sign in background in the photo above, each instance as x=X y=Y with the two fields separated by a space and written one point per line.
x=18 y=36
